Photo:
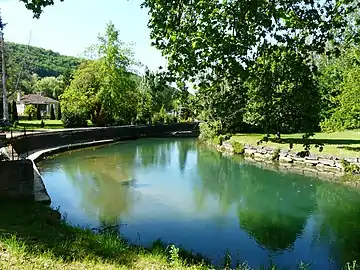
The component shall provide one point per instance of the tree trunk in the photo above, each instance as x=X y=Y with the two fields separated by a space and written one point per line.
x=5 y=102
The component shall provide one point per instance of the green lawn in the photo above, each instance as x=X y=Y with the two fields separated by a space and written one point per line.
x=36 y=124
x=342 y=144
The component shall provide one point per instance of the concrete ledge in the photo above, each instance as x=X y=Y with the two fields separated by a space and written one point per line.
x=36 y=146
x=16 y=180
x=40 y=192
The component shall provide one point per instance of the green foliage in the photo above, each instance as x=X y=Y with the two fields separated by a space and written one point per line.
x=160 y=117
x=105 y=88
x=30 y=111
x=347 y=114
x=36 y=6
x=174 y=255
x=49 y=86
x=283 y=96
x=218 y=140
x=238 y=148
x=222 y=42
x=222 y=103
x=155 y=93
x=44 y=63
x=275 y=155
x=74 y=119
x=52 y=113
x=350 y=167
x=42 y=124
x=209 y=130
x=253 y=68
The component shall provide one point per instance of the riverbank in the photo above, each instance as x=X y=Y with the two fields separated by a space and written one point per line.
x=32 y=236
x=268 y=156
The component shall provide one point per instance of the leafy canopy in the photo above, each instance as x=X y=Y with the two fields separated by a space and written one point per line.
x=209 y=40
x=104 y=88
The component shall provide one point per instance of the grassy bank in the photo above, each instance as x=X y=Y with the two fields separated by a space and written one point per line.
x=341 y=144
x=33 y=237
x=36 y=125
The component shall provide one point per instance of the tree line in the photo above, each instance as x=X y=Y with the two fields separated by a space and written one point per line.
x=271 y=66
x=108 y=90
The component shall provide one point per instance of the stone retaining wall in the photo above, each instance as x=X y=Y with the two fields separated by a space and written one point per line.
x=313 y=165
x=29 y=143
x=17 y=180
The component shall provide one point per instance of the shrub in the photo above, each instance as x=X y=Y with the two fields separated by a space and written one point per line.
x=72 y=119
x=52 y=113
x=350 y=168
x=238 y=148
x=275 y=155
x=157 y=119
x=30 y=111
x=170 y=119
x=218 y=140
x=209 y=130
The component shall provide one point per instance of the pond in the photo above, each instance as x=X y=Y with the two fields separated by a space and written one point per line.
x=182 y=193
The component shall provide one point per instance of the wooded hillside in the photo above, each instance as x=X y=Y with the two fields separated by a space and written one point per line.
x=43 y=62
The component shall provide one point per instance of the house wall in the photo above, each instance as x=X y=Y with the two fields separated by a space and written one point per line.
x=20 y=108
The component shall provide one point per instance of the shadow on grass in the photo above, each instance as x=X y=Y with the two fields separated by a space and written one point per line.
x=40 y=230
x=350 y=148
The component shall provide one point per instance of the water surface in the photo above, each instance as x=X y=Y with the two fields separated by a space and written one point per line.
x=194 y=197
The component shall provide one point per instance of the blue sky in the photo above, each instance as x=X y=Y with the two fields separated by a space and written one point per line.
x=71 y=26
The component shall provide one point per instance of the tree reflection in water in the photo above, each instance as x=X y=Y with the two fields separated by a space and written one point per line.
x=105 y=183
x=272 y=208
x=338 y=217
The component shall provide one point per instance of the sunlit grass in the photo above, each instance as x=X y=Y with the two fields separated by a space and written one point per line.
x=36 y=125
x=33 y=237
x=342 y=144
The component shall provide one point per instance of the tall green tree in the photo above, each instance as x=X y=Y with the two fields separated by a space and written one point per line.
x=283 y=95
x=81 y=97
x=49 y=86
x=219 y=38
x=104 y=88
x=347 y=114
x=117 y=91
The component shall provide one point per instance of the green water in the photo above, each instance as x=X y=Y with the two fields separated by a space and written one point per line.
x=194 y=197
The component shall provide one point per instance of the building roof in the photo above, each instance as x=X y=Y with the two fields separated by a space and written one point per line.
x=37 y=99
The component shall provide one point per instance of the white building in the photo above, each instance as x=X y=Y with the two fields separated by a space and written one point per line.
x=39 y=101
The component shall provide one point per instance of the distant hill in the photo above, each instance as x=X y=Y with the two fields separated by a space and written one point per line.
x=40 y=61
